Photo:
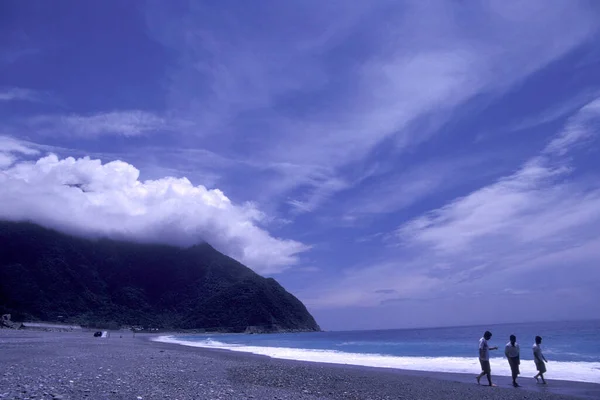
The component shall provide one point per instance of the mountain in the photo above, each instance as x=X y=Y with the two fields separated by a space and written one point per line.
x=50 y=276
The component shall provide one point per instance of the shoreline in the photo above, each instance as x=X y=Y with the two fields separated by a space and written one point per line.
x=561 y=370
x=577 y=389
x=75 y=365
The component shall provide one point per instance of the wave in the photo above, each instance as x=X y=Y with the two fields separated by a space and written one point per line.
x=578 y=371
x=571 y=354
x=378 y=343
x=364 y=343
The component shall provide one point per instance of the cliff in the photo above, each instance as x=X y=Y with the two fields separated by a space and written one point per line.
x=50 y=276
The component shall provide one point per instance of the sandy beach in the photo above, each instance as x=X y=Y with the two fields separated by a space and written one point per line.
x=75 y=365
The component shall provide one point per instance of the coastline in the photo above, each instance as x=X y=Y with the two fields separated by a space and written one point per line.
x=75 y=365
x=556 y=386
x=576 y=371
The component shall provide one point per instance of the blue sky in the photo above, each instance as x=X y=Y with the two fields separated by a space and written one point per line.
x=391 y=163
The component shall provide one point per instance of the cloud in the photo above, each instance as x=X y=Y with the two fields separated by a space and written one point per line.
x=516 y=292
x=337 y=90
x=326 y=187
x=10 y=148
x=533 y=230
x=407 y=185
x=11 y=145
x=385 y=291
x=125 y=123
x=361 y=286
x=84 y=196
x=516 y=206
x=6 y=160
x=19 y=94
x=543 y=216
x=9 y=56
x=556 y=112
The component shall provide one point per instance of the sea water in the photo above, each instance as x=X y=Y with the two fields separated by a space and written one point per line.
x=572 y=348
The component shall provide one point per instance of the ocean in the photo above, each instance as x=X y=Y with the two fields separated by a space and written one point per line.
x=572 y=348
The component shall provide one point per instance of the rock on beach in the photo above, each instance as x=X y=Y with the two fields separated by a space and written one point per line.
x=75 y=366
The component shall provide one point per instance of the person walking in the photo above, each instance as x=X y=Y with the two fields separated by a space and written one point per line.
x=513 y=354
x=484 y=357
x=539 y=359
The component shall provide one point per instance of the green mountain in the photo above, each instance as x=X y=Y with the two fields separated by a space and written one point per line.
x=50 y=276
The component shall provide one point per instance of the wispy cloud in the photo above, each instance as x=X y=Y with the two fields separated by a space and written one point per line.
x=10 y=56
x=20 y=94
x=11 y=145
x=322 y=188
x=361 y=286
x=10 y=148
x=326 y=117
x=543 y=217
x=516 y=205
x=556 y=112
x=125 y=123
x=408 y=185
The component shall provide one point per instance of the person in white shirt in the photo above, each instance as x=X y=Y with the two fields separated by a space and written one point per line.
x=484 y=357
x=513 y=354
x=539 y=359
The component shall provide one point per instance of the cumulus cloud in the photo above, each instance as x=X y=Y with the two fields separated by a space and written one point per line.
x=85 y=196
x=6 y=160
x=126 y=123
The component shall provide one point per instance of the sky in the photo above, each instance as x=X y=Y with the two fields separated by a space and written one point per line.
x=393 y=164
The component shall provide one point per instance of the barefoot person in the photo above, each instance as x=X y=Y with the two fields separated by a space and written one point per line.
x=484 y=357
x=513 y=354
x=539 y=359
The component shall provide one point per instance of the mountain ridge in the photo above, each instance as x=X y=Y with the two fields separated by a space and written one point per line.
x=52 y=276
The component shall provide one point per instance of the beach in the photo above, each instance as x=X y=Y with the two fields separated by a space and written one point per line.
x=76 y=365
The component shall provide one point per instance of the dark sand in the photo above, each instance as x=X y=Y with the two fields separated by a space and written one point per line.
x=45 y=365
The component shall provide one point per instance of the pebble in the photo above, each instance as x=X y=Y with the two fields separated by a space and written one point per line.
x=65 y=366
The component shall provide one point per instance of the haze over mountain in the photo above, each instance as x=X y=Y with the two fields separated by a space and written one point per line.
x=45 y=274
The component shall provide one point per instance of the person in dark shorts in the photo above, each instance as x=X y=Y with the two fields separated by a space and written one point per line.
x=484 y=357
x=539 y=359
x=513 y=354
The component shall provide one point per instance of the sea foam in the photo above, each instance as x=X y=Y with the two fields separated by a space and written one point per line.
x=563 y=370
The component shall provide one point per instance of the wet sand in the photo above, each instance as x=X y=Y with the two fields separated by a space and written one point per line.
x=75 y=365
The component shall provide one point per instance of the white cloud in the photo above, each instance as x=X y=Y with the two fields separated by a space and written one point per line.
x=19 y=94
x=371 y=286
x=84 y=196
x=535 y=202
x=555 y=112
x=10 y=146
x=544 y=217
x=519 y=232
x=126 y=123
x=444 y=64
x=320 y=192
x=407 y=185
x=579 y=130
x=6 y=160
x=408 y=62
